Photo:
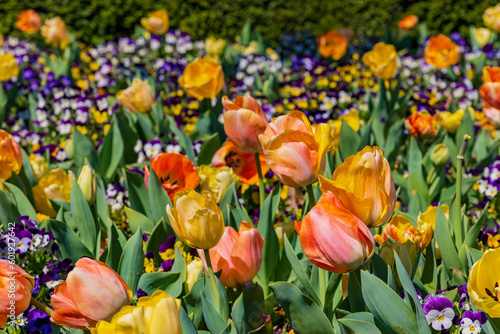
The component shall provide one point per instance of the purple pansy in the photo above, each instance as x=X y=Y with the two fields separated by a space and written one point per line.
x=439 y=312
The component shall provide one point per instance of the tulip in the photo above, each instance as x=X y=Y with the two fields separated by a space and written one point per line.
x=88 y=184
x=490 y=89
x=158 y=314
x=193 y=271
x=409 y=22
x=382 y=60
x=202 y=79
x=491 y=18
x=332 y=45
x=28 y=21
x=16 y=287
x=39 y=166
x=283 y=229
x=216 y=180
x=451 y=122
x=55 y=32
x=55 y=185
x=242 y=164
x=294 y=152
x=421 y=125
x=364 y=185
x=92 y=292
x=244 y=121
x=440 y=155
x=441 y=52
x=215 y=47
x=351 y=118
x=238 y=255
x=352 y=245
x=484 y=280
x=426 y=222
x=156 y=22
x=175 y=171
x=491 y=113
x=196 y=219
x=407 y=253
x=138 y=97
x=482 y=36
x=11 y=156
x=401 y=230
x=8 y=67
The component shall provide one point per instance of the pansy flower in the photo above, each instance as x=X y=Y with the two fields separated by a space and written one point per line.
x=471 y=322
x=439 y=311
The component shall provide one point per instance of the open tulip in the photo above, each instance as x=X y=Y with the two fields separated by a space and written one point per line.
x=238 y=255
x=484 y=283
x=55 y=185
x=216 y=180
x=244 y=121
x=382 y=60
x=175 y=171
x=92 y=292
x=55 y=32
x=202 y=78
x=8 y=67
x=39 y=166
x=401 y=230
x=364 y=184
x=11 y=156
x=28 y=21
x=441 y=52
x=409 y=22
x=422 y=125
x=138 y=97
x=294 y=152
x=158 y=314
x=332 y=45
x=196 y=219
x=352 y=245
x=16 y=287
x=491 y=18
x=156 y=22
x=242 y=164
x=450 y=121
x=490 y=89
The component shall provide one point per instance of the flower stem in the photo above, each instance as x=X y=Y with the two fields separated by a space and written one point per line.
x=41 y=306
x=310 y=192
x=458 y=194
x=212 y=276
x=261 y=180
x=322 y=285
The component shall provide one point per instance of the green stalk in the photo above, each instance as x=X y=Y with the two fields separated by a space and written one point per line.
x=458 y=194
x=262 y=194
x=310 y=192
x=212 y=276
x=41 y=306
x=322 y=285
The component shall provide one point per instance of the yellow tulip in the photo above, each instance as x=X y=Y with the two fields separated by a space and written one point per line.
x=401 y=230
x=283 y=229
x=482 y=36
x=484 y=277
x=137 y=97
x=215 y=47
x=407 y=253
x=202 y=78
x=451 y=122
x=196 y=219
x=38 y=165
x=193 y=271
x=88 y=184
x=55 y=185
x=158 y=314
x=427 y=221
x=382 y=60
x=364 y=184
x=216 y=180
x=157 y=22
x=8 y=67
x=491 y=18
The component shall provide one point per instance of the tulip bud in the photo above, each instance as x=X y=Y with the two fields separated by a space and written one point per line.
x=88 y=184
x=14 y=281
x=69 y=148
x=38 y=165
x=283 y=229
x=440 y=155
x=408 y=22
x=193 y=271
x=138 y=97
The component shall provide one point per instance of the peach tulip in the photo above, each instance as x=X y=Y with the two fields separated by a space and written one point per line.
x=244 y=121
x=16 y=287
x=55 y=32
x=490 y=89
x=138 y=97
x=441 y=52
x=294 y=151
x=333 y=238
x=92 y=292
x=238 y=255
x=28 y=21
x=491 y=113
x=11 y=156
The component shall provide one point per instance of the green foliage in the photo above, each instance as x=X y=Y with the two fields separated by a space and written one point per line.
x=94 y=21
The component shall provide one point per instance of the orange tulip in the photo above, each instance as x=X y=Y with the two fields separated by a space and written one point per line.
x=11 y=156
x=401 y=230
x=491 y=113
x=202 y=79
x=28 y=21
x=364 y=184
x=352 y=244
x=490 y=89
x=422 y=125
x=238 y=255
x=332 y=45
x=16 y=287
x=244 y=121
x=409 y=22
x=91 y=293
x=157 y=22
x=294 y=152
x=243 y=164
x=441 y=52
x=175 y=171
x=382 y=60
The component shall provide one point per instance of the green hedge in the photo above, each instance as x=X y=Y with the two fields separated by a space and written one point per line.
x=94 y=21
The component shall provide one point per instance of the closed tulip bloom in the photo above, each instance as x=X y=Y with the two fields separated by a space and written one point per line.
x=216 y=180
x=202 y=79
x=196 y=219
x=294 y=152
x=55 y=185
x=441 y=52
x=382 y=60
x=409 y=22
x=39 y=166
x=440 y=155
x=352 y=244
x=11 y=156
x=244 y=121
x=138 y=97
x=364 y=184
x=92 y=292
x=332 y=45
x=192 y=272
x=238 y=255
x=16 y=287
x=55 y=32
x=88 y=184
x=156 y=22
x=283 y=229
x=490 y=89
x=491 y=18
x=158 y=314
x=8 y=67
x=422 y=125
x=484 y=283
x=482 y=36
x=28 y=21
x=242 y=164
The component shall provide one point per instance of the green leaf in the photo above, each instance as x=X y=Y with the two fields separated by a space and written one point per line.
x=21 y=201
x=110 y=153
x=215 y=322
x=354 y=291
x=169 y=282
x=132 y=260
x=248 y=309
x=157 y=237
x=115 y=249
x=8 y=209
x=186 y=323
x=416 y=180
x=83 y=148
x=80 y=210
x=137 y=219
x=158 y=200
x=350 y=141
x=137 y=193
x=70 y=244
x=472 y=235
x=208 y=150
x=359 y=326
x=446 y=245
